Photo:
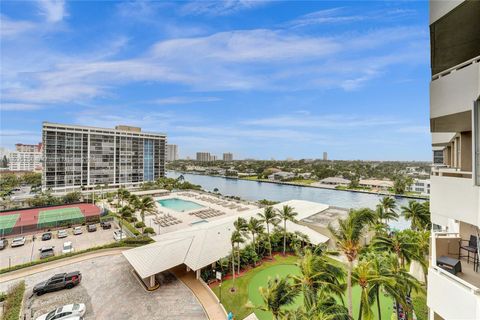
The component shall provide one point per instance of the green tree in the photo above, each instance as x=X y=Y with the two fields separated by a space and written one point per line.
x=418 y=215
x=286 y=214
x=241 y=226
x=279 y=293
x=387 y=212
x=32 y=178
x=269 y=217
x=348 y=237
x=72 y=197
x=236 y=238
x=146 y=205
x=403 y=244
x=255 y=227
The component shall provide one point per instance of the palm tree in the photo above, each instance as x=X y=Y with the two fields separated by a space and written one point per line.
x=285 y=214
x=123 y=195
x=402 y=244
x=369 y=280
x=241 y=226
x=348 y=236
x=418 y=215
x=269 y=217
x=388 y=206
x=235 y=238
x=278 y=293
x=255 y=227
x=326 y=308
x=146 y=205
x=318 y=276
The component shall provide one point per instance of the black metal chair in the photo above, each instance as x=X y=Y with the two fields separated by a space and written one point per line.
x=470 y=247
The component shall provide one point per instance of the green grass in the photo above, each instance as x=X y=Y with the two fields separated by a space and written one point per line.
x=303 y=181
x=247 y=293
x=13 y=301
x=53 y=217
x=8 y=222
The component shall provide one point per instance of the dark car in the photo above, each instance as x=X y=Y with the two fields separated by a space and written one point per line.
x=3 y=243
x=46 y=252
x=91 y=228
x=46 y=236
x=105 y=225
x=58 y=282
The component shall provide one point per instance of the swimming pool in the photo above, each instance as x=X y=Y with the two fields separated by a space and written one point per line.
x=179 y=204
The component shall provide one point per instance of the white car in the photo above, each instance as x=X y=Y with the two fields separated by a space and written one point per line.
x=18 y=241
x=119 y=235
x=77 y=230
x=69 y=311
x=68 y=247
x=62 y=234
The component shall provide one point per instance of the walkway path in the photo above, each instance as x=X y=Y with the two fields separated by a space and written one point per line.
x=209 y=302
x=22 y=273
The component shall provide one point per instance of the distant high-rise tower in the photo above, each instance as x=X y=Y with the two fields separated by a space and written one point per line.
x=203 y=156
x=227 y=156
x=325 y=156
x=172 y=152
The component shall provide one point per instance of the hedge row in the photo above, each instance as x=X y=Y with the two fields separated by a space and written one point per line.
x=13 y=302
x=129 y=242
x=127 y=225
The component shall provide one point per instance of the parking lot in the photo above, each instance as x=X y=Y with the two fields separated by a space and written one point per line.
x=30 y=251
x=110 y=290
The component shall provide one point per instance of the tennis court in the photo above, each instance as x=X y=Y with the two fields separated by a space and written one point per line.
x=7 y=223
x=55 y=217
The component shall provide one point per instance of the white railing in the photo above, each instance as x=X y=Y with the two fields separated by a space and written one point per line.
x=470 y=287
x=456 y=68
x=451 y=172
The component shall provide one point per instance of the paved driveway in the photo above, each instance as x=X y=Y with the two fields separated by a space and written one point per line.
x=111 y=291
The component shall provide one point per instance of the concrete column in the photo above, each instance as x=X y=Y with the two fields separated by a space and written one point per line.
x=188 y=269
x=197 y=273
x=152 y=281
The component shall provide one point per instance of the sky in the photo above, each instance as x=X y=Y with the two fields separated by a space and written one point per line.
x=260 y=79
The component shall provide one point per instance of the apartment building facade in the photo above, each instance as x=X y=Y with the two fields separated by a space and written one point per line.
x=453 y=274
x=228 y=156
x=81 y=158
x=205 y=157
x=172 y=152
x=26 y=157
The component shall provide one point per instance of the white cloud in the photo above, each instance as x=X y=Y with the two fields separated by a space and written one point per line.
x=53 y=10
x=218 y=7
x=19 y=107
x=185 y=100
x=11 y=28
x=327 y=16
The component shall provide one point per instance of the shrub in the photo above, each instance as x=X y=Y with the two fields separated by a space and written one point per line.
x=13 y=302
x=148 y=230
x=140 y=224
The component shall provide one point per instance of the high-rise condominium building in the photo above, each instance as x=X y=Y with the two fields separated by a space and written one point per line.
x=81 y=157
x=205 y=156
x=228 y=156
x=453 y=273
x=172 y=152
x=325 y=156
x=26 y=157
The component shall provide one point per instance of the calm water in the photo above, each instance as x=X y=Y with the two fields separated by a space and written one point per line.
x=253 y=190
x=179 y=204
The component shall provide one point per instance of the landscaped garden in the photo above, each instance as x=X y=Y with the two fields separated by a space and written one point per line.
x=242 y=302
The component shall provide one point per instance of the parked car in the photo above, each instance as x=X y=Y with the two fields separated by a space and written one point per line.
x=62 y=234
x=119 y=235
x=77 y=231
x=3 y=243
x=105 y=225
x=58 y=282
x=69 y=311
x=46 y=252
x=92 y=228
x=46 y=236
x=67 y=247
x=18 y=241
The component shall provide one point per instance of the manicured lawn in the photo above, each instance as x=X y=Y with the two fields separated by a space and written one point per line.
x=247 y=293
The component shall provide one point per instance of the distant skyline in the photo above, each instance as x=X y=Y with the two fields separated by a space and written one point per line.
x=259 y=79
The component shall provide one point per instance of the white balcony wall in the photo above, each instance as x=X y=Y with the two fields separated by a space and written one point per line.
x=451 y=298
x=455 y=198
x=455 y=92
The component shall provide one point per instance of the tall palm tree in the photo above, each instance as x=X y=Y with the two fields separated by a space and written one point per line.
x=235 y=238
x=388 y=205
x=402 y=244
x=241 y=226
x=269 y=217
x=348 y=236
x=318 y=275
x=278 y=293
x=123 y=195
x=286 y=214
x=146 y=205
x=418 y=215
x=369 y=280
x=326 y=308
x=255 y=227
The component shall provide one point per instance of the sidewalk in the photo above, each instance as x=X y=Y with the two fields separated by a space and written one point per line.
x=22 y=273
x=210 y=304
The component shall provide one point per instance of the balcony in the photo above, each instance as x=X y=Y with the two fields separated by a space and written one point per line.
x=452 y=296
x=453 y=195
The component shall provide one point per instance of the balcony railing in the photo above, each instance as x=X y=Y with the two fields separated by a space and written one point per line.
x=451 y=172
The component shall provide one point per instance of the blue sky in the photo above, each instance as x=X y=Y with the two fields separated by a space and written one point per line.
x=260 y=79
